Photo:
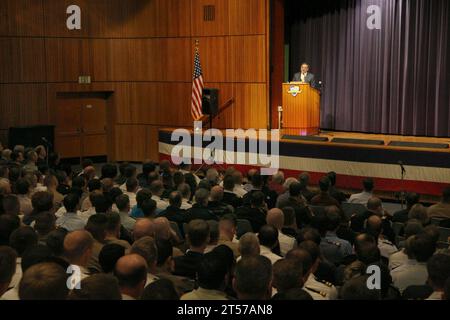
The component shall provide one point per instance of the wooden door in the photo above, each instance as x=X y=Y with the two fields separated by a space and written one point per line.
x=81 y=125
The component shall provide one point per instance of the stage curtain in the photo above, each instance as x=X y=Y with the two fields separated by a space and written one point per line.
x=393 y=81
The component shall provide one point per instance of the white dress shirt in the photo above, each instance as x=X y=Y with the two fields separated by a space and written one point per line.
x=412 y=273
x=71 y=222
x=360 y=198
x=266 y=252
x=287 y=243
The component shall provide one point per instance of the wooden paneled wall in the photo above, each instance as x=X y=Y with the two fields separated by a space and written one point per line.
x=142 y=51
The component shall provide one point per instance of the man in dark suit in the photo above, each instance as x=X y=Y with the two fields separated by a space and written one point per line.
x=305 y=76
x=198 y=237
x=174 y=212
x=200 y=209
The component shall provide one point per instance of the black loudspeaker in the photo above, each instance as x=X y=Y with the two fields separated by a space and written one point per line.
x=210 y=102
x=32 y=136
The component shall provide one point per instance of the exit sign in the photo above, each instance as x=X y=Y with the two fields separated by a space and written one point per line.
x=84 y=79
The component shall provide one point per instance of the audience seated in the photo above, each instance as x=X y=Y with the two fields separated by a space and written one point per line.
x=179 y=237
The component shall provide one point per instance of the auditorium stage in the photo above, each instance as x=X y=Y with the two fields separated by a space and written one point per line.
x=358 y=155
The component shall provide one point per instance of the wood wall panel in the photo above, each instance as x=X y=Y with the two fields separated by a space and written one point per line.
x=22 y=59
x=250 y=111
x=248 y=59
x=218 y=27
x=159 y=59
x=130 y=142
x=23 y=105
x=214 y=58
x=21 y=18
x=121 y=19
x=247 y=17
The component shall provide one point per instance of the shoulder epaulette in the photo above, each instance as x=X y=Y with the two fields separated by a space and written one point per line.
x=322 y=293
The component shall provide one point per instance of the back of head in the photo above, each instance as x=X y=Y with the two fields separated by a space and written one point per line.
x=420 y=247
x=113 y=224
x=253 y=278
x=97 y=225
x=148 y=208
x=289 y=216
x=109 y=255
x=185 y=190
x=109 y=171
x=55 y=241
x=148 y=167
x=157 y=188
x=45 y=223
x=42 y=201
x=374 y=204
x=131 y=271
x=332 y=177
x=374 y=225
x=275 y=218
x=368 y=252
x=146 y=248
x=201 y=196
x=324 y=184
x=368 y=184
x=310 y=234
x=257 y=199
x=132 y=184
x=412 y=198
x=446 y=195
x=97 y=287
x=257 y=180
x=312 y=248
x=295 y=189
x=23 y=238
x=162 y=289
x=211 y=272
x=357 y=289
x=419 y=212
x=44 y=281
x=8 y=223
x=142 y=228
x=413 y=227
x=35 y=254
x=165 y=251
x=71 y=202
x=302 y=258
x=94 y=184
x=123 y=202
x=76 y=244
x=278 y=177
x=7 y=267
x=249 y=245
x=268 y=236
x=143 y=195
x=22 y=186
x=438 y=270
x=101 y=203
x=287 y=274
x=228 y=183
x=175 y=199
x=333 y=218
x=11 y=204
x=216 y=193
x=198 y=233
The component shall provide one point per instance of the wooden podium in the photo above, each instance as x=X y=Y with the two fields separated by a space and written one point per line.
x=301 y=109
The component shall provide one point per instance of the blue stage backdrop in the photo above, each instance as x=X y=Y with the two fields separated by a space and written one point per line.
x=385 y=65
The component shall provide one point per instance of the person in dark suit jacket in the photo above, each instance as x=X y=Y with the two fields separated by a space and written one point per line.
x=305 y=76
x=229 y=197
x=198 y=236
x=256 y=212
x=200 y=209
x=174 y=212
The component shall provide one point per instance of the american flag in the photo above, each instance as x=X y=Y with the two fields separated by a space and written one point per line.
x=197 y=88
